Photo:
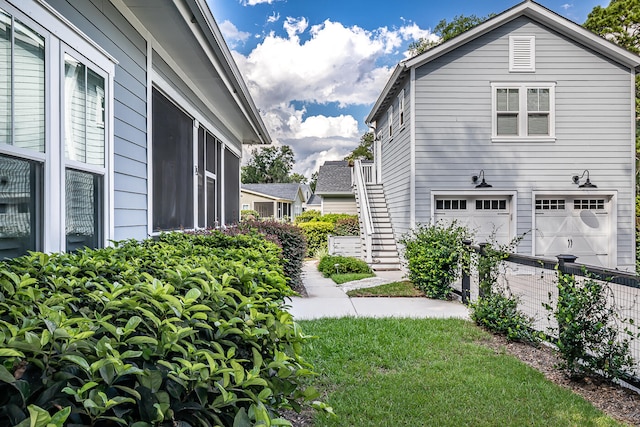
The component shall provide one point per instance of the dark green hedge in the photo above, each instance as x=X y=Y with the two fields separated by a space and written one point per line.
x=327 y=265
x=185 y=330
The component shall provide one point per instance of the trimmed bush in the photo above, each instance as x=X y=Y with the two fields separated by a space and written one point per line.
x=327 y=265
x=249 y=215
x=347 y=226
x=317 y=234
x=499 y=314
x=292 y=241
x=185 y=330
x=433 y=253
x=308 y=216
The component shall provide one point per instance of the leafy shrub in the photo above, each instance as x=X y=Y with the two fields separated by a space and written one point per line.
x=185 y=330
x=308 y=216
x=317 y=234
x=335 y=217
x=589 y=329
x=499 y=314
x=292 y=241
x=347 y=227
x=327 y=265
x=433 y=253
x=249 y=215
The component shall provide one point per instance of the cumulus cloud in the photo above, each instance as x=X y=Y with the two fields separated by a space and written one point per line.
x=331 y=64
x=232 y=35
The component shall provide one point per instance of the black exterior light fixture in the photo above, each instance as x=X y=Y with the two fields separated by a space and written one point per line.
x=587 y=183
x=483 y=183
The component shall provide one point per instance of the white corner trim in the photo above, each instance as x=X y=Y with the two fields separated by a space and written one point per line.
x=412 y=155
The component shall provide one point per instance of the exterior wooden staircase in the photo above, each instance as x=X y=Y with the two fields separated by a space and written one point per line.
x=384 y=251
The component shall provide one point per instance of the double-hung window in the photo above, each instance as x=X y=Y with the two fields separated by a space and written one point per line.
x=401 y=109
x=523 y=111
x=390 y=121
x=54 y=131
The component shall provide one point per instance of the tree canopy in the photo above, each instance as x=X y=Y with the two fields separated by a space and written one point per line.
x=364 y=151
x=445 y=31
x=269 y=165
x=618 y=22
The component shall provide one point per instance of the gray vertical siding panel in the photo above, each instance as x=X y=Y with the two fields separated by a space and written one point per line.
x=453 y=127
x=101 y=21
x=396 y=157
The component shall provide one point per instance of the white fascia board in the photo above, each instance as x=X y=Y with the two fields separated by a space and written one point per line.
x=239 y=89
x=385 y=92
x=266 y=196
x=540 y=14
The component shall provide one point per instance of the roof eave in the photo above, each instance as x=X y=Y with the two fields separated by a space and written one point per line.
x=393 y=80
x=202 y=13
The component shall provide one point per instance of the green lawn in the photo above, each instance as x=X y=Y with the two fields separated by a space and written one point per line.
x=349 y=277
x=431 y=372
x=395 y=289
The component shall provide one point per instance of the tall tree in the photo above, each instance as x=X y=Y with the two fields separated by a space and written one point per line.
x=313 y=181
x=445 y=31
x=364 y=151
x=620 y=23
x=268 y=165
x=298 y=178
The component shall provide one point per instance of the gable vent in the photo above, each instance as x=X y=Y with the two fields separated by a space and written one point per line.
x=522 y=54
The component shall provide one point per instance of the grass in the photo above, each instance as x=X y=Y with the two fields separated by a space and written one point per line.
x=395 y=289
x=431 y=372
x=349 y=277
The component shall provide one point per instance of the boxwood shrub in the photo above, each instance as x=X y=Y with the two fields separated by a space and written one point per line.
x=316 y=233
x=327 y=265
x=185 y=330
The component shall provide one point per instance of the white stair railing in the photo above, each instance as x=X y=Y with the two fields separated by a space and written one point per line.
x=365 y=210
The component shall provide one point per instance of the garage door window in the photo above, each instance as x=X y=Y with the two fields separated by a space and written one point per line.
x=494 y=205
x=451 y=204
x=550 y=204
x=592 y=204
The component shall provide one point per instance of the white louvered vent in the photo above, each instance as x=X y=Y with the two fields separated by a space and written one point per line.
x=522 y=54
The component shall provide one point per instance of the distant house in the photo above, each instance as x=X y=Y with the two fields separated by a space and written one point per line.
x=523 y=124
x=335 y=188
x=313 y=204
x=118 y=119
x=279 y=201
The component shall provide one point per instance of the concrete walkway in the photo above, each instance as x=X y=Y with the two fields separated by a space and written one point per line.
x=326 y=299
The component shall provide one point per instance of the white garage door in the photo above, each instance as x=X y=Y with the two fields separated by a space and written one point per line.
x=574 y=225
x=485 y=216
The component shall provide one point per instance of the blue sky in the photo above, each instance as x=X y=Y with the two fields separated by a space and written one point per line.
x=315 y=67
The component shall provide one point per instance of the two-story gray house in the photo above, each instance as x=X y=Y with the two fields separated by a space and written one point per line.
x=118 y=119
x=523 y=124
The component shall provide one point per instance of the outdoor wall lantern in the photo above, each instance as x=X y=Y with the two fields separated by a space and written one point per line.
x=483 y=183
x=587 y=183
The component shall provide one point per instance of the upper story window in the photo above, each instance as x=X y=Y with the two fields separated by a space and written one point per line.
x=390 y=121
x=523 y=111
x=522 y=54
x=401 y=108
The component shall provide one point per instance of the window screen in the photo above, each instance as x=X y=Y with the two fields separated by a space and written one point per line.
x=83 y=206
x=231 y=188
x=172 y=166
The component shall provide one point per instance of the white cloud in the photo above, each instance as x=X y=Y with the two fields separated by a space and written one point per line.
x=566 y=6
x=294 y=26
x=331 y=64
x=232 y=35
x=274 y=17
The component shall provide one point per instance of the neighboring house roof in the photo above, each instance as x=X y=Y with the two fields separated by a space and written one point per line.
x=276 y=191
x=314 y=200
x=334 y=177
x=195 y=39
x=528 y=9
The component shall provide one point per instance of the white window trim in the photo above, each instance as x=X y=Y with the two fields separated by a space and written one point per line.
x=613 y=223
x=401 y=117
x=390 y=122
x=516 y=65
x=61 y=35
x=522 y=111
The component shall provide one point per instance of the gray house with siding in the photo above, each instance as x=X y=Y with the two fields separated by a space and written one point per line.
x=118 y=119
x=334 y=187
x=523 y=125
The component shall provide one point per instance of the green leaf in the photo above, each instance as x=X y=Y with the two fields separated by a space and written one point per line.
x=60 y=417
x=78 y=360
x=6 y=376
x=38 y=417
x=242 y=419
x=140 y=339
x=9 y=352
